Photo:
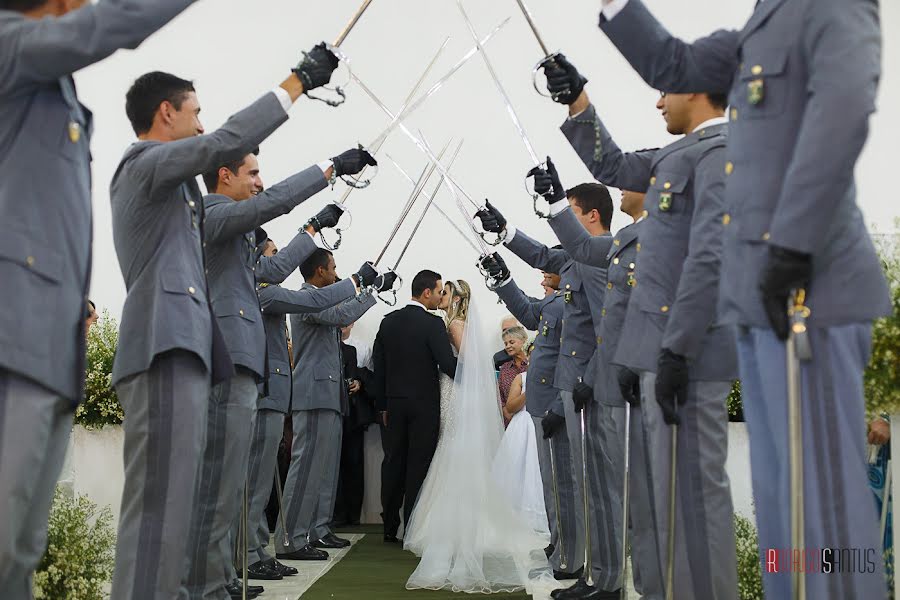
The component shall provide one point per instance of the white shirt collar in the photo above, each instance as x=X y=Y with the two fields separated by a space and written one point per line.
x=711 y=123
x=416 y=303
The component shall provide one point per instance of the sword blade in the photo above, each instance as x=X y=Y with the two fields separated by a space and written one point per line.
x=356 y=17
x=509 y=107
x=534 y=29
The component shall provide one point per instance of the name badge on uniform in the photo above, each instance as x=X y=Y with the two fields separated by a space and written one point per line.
x=756 y=91
x=665 y=201
x=545 y=331
x=74 y=131
x=567 y=297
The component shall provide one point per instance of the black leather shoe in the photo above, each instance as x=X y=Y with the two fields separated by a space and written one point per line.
x=549 y=550
x=338 y=540
x=263 y=571
x=307 y=552
x=598 y=594
x=255 y=589
x=563 y=576
x=391 y=539
x=576 y=591
x=236 y=590
x=331 y=541
x=283 y=570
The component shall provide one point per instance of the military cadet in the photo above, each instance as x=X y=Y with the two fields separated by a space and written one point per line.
x=582 y=286
x=170 y=348
x=45 y=246
x=275 y=401
x=672 y=338
x=545 y=315
x=803 y=79
x=317 y=406
x=235 y=206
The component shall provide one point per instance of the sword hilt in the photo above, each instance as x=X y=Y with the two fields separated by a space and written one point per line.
x=798 y=313
x=398 y=284
x=535 y=196
x=542 y=65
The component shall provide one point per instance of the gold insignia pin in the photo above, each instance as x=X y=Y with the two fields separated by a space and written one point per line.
x=665 y=201
x=755 y=91
x=545 y=331
x=74 y=131
x=567 y=297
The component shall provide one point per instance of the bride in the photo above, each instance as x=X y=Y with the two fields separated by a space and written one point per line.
x=472 y=534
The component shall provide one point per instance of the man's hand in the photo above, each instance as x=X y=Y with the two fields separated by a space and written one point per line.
x=384 y=418
x=786 y=271
x=671 y=384
x=316 y=67
x=326 y=218
x=879 y=432
x=546 y=182
x=629 y=385
x=354 y=387
x=582 y=395
x=491 y=219
x=386 y=281
x=564 y=82
x=352 y=161
x=496 y=267
x=366 y=275
x=551 y=423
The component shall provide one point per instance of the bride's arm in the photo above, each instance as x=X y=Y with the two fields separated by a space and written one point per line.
x=455 y=331
x=515 y=402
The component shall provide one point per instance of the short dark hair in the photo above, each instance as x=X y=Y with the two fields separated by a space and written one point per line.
x=148 y=92
x=21 y=5
x=424 y=280
x=211 y=178
x=719 y=101
x=593 y=196
x=319 y=258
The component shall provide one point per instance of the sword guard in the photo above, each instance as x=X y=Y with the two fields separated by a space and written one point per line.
x=542 y=64
x=535 y=196
x=338 y=90
x=798 y=313
x=392 y=299
x=358 y=182
x=338 y=230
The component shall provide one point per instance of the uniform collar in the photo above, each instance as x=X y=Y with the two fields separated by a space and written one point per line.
x=710 y=123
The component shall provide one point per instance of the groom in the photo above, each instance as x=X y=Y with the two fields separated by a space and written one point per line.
x=411 y=345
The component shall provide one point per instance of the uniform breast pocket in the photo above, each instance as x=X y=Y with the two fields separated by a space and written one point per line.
x=548 y=327
x=58 y=131
x=761 y=88
x=667 y=197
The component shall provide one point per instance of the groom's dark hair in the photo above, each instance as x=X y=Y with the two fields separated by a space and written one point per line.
x=424 y=280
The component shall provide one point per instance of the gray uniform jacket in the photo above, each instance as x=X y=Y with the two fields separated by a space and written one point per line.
x=231 y=261
x=673 y=304
x=581 y=286
x=803 y=77
x=621 y=257
x=45 y=180
x=318 y=370
x=545 y=316
x=157 y=212
x=276 y=302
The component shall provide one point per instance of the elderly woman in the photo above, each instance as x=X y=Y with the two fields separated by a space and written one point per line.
x=514 y=341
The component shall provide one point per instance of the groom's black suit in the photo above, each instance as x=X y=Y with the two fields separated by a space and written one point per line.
x=411 y=345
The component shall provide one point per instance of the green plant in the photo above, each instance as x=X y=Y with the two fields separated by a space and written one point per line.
x=882 y=377
x=735 y=402
x=748 y=559
x=80 y=551
x=101 y=404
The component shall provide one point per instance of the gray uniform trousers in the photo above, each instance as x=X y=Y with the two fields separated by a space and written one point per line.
x=575 y=466
x=562 y=454
x=647 y=571
x=315 y=456
x=267 y=435
x=165 y=428
x=705 y=564
x=839 y=512
x=35 y=424
x=231 y=407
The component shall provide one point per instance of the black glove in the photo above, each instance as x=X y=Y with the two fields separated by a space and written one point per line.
x=386 y=281
x=327 y=217
x=551 y=423
x=495 y=267
x=366 y=275
x=629 y=385
x=671 y=384
x=564 y=82
x=491 y=219
x=786 y=271
x=546 y=182
x=582 y=395
x=352 y=161
x=316 y=67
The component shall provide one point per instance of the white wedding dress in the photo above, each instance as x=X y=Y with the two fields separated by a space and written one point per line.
x=470 y=530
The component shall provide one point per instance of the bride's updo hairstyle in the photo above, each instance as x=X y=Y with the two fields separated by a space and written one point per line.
x=460 y=294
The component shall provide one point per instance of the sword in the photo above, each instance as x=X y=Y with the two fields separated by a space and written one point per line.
x=625 y=501
x=670 y=559
x=287 y=538
x=509 y=108
x=563 y=563
x=334 y=49
x=797 y=348
x=548 y=56
x=244 y=528
x=588 y=575
x=353 y=20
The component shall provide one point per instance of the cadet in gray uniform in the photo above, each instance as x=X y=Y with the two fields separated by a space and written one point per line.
x=169 y=344
x=672 y=337
x=235 y=206
x=317 y=405
x=275 y=401
x=45 y=246
x=583 y=288
x=803 y=79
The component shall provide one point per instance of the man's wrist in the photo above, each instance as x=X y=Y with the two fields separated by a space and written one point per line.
x=510 y=232
x=289 y=91
x=581 y=104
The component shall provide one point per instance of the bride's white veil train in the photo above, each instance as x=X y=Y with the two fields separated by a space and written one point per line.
x=470 y=536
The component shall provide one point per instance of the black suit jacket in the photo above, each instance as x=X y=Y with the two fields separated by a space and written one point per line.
x=361 y=404
x=411 y=345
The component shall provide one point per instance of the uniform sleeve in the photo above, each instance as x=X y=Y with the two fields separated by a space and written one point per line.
x=537 y=255
x=524 y=308
x=278 y=300
x=581 y=246
x=347 y=312
x=275 y=269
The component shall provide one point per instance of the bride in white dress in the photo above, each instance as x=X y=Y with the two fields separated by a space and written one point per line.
x=472 y=535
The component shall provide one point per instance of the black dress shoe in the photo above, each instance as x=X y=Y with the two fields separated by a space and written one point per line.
x=251 y=589
x=338 y=540
x=549 y=550
x=264 y=571
x=236 y=590
x=563 y=576
x=391 y=539
x=331 y=541
x=576 y=591
x=307 y=552
x=281 y=569
x=598 y=594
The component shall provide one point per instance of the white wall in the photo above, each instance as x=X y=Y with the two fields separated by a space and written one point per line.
x=236 y=50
